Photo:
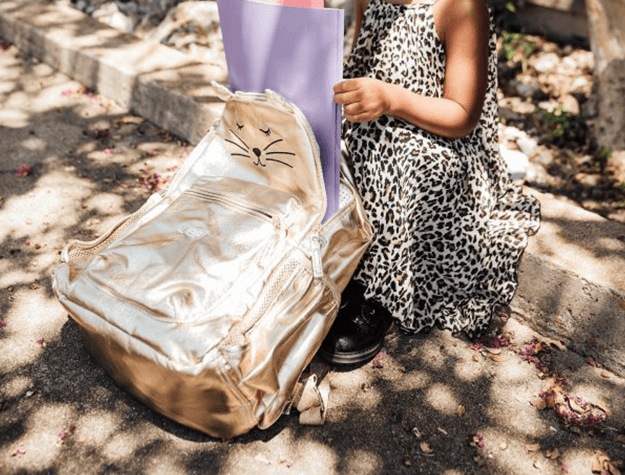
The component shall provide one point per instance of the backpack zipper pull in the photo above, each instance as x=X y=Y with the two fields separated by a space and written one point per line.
x=315 y=257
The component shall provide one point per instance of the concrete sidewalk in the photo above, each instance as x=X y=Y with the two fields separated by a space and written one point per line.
x=576 y=291
x=429 y=404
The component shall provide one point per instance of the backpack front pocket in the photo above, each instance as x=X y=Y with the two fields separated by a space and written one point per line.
x=203 y=248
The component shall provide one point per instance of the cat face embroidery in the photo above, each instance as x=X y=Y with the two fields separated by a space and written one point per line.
x=260 y=145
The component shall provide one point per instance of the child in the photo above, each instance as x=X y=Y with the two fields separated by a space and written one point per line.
x=420 y=103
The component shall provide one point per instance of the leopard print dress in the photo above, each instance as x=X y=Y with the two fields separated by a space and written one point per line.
x=450 y=225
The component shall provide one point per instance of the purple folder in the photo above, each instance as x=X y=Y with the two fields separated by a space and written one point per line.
x=297 y=52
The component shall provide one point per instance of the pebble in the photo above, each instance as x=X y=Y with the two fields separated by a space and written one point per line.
x=517 y=162
x=512 y=133
x=570 y=62
x=537 y=176
x=549 y=106
x=580 y=85
x=585 y=60
x=588 y=180
x=525 y=89
x=570 y=104
x=110 y=15
x=547 y=63
x=527 y=145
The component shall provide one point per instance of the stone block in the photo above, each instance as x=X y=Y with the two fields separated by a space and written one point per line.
x=571 y=281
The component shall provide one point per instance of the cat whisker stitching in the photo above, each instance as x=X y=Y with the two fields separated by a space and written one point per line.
x=272 y=143
x=278 y=161
x=236 y=144
x=246 y=155
x=242 y=141
x=280 y=153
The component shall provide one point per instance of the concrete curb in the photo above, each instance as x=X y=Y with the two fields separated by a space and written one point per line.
x=156 y=82
x=571 y=279
x=572 y=284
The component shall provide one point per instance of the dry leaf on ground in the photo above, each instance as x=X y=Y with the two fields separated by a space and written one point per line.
x=533 y=447
x=602 y=464
x=425 y=448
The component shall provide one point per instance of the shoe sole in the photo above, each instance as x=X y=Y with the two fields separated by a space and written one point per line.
x=352 y=358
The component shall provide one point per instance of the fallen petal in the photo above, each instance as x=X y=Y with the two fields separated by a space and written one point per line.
x=377 y=361
x=20 y=450
x=477 y=440
x=23 y=171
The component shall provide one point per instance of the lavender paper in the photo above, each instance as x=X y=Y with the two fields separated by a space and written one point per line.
x=297 y=52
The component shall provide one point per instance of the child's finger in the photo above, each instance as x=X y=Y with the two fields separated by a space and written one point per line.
x=339 y=87
x=344 y=86
x=346 y=97
x=356 y=118
x=362 y=116
x=341 y=99
x=353 y=108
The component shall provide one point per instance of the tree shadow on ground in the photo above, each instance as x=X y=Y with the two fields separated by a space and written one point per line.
x=430 y=405
x=422 y=408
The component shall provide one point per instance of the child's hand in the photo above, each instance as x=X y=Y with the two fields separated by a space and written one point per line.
x=363 y=99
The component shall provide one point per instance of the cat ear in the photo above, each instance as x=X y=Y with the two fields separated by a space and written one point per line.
x=273 y=96
x=221 y=91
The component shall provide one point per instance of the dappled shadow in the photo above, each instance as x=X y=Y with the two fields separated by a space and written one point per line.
x=571 y=284
x=120 y=65
x=422 y=408
x=418 y=410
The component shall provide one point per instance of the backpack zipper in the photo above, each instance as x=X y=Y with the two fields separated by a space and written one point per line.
x=225 y=200
x=315 y=256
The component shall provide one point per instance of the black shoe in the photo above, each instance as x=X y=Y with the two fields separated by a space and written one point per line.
x=358 y=332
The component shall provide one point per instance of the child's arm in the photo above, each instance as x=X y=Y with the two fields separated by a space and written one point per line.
x=463 y=26
x=359 y=8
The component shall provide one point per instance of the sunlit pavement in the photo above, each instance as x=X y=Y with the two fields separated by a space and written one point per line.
x=72 y=163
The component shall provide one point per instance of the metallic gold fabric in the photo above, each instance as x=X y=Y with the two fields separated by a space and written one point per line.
x=209 y=301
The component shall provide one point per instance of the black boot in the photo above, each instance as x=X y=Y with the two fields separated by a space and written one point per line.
x=359 y=330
